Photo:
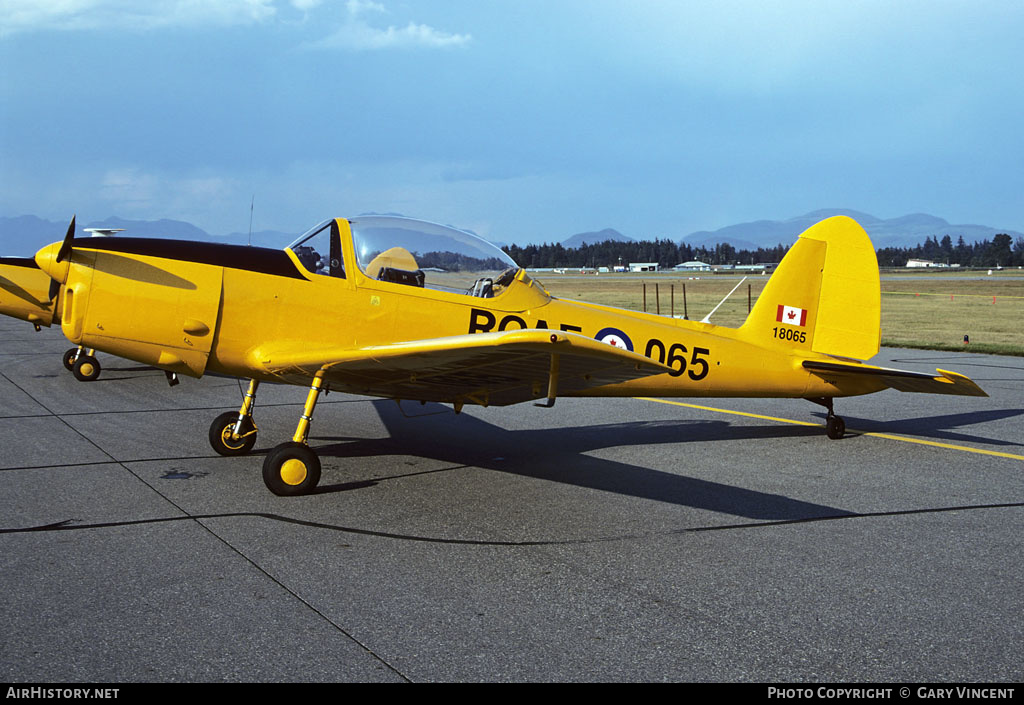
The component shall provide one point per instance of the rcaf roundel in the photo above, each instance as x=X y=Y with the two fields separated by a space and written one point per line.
x=614 y=336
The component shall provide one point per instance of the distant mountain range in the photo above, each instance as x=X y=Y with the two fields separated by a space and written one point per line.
x=595 y=238
x=905 y=231
x=22 y=236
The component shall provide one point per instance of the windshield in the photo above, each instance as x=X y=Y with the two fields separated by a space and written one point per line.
x=417 y=253
x=319 y=250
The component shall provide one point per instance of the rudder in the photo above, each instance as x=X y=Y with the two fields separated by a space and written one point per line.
x=825 y=295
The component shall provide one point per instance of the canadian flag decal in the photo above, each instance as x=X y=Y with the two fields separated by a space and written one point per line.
x=792 y=315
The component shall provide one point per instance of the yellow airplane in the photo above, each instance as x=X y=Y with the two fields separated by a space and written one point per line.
x=29 y=294
x=403 y=309
x=23 y=289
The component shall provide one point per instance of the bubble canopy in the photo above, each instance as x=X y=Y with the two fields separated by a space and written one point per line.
x=418 y=253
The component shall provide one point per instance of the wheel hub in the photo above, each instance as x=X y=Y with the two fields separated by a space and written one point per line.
x=293 y=471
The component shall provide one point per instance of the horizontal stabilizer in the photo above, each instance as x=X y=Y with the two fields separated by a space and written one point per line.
x=944 y=382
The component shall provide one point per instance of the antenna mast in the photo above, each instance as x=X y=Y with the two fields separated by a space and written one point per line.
x=707 y=318
x=251 y=206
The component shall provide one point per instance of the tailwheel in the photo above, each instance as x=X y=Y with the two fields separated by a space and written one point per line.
x=86 y=369
x=69 y=358
x=223 y=438
x=291 y=469
x=835 y=427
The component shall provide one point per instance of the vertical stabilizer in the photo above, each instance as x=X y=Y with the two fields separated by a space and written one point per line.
x=825 y=295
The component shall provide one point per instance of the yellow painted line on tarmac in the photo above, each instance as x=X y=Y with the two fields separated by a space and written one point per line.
x=730 y=411
x=889 y=436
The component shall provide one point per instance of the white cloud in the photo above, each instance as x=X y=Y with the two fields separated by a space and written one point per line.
x=357 y=34
x=129 y=188
x=360 y=36
x=130 y=191
x=359 y=7
x=32 y=15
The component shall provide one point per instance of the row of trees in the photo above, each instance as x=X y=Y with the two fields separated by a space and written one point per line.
x=612 y=253
x=1001 y=251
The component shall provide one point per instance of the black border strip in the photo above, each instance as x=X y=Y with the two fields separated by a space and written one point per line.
x=253 y=259
x=19 y=262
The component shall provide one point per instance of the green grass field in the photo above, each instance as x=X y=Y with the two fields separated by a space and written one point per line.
x=919 y=309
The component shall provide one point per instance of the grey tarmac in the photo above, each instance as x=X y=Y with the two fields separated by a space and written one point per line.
x=601 y=540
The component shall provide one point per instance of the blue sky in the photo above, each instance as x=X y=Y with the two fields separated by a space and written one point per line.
x=525 y=121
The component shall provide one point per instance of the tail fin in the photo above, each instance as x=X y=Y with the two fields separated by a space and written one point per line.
x=824 y=297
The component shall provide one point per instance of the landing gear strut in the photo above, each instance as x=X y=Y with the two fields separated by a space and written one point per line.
x=82 y=363
x=293 y=468
x=234 y=433
x=835 y=427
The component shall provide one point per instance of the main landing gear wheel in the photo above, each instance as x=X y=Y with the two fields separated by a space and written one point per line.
x=291 y=469
x=86 y=369
x=835 y=427
x=69 y=359
x=222 y=438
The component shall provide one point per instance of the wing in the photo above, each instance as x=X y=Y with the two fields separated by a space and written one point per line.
x=484 y=368
x=944 y=382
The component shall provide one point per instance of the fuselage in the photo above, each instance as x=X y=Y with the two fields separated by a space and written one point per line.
x=194 y=308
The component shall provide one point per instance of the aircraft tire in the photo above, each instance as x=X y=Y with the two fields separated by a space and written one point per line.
x=291 y=469
x=86 y=369
x=69 y=359
x=835 y=427
x=220 y=436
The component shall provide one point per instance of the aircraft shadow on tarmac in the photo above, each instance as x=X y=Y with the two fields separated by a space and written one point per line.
x=559 y=455
x=937 y=427
x=136 y=368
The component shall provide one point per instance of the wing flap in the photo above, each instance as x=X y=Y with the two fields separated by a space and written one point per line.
x=945 y=382
x=485 y=368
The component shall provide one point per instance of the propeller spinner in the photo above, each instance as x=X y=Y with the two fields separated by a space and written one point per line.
x=55 y=260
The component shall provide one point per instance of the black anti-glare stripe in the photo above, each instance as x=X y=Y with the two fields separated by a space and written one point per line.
x=19 y=262
x=253 y=259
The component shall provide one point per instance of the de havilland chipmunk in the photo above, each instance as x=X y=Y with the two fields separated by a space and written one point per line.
x=404 y=309
x=28 y=293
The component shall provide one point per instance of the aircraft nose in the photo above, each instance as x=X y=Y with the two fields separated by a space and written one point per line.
x=46 y=259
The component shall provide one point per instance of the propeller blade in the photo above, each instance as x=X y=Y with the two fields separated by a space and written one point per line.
x=65 y=248
x=54 y=289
